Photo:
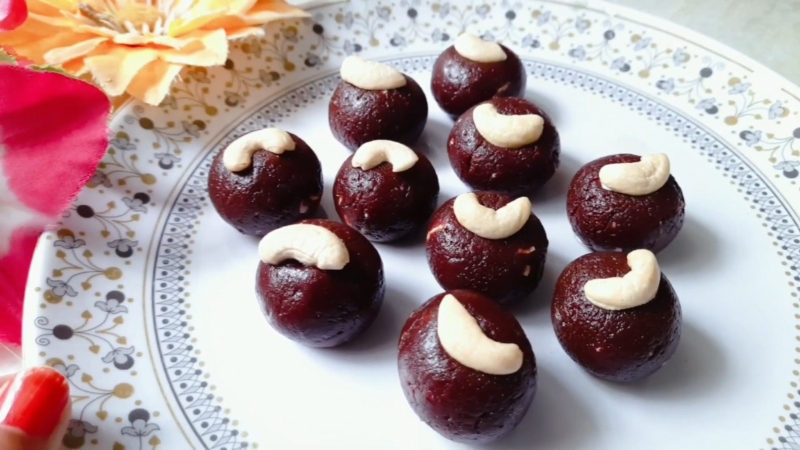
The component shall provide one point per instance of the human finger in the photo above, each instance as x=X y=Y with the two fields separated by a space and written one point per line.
x=35 y=409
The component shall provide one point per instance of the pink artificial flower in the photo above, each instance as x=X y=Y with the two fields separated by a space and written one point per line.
x=53 y=134
x=12 y=14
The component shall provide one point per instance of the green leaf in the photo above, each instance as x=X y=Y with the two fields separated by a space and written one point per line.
x=51 y=70
x=5 y=58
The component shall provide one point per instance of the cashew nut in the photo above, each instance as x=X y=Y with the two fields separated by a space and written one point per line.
x=636 y=178
x=373 y=153
x=476 y=49
x=239 y=154
x=489 y=223
x=370 y=75
x=462 y=338
x=636 y=288
x=310 y=245
x=507 y=131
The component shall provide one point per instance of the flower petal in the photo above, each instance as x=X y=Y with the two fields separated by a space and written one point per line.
x=12 y=14
x=134 y=39
x=152 y=83
x=39 y=124
x=89 y=428
x=226 y=23
x=234 y=7
x=63 y=54
x=207 y=48
x=76 y=67
x=117 y=103
x=69 y=5
x=265 y=11
x=262 y=12
x=96 y=30
x=108 y=358
x=10 y=359
x=13 y=275
x=168 y=41
x=149 y=428
x=181 y=26
x=71 y=369
x=102 y=306
x=113 y=71
x=17 y=218
x=55 y=21
x=241 y=33
x=33 y=42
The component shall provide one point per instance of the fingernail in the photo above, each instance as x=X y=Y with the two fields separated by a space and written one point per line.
x=35 y=401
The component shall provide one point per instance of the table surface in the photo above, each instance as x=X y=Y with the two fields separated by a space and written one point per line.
x=768 y=31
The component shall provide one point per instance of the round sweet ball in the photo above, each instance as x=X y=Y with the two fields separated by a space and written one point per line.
x=626 y=202
x=616 y=314
x=489 y=243
x=466 y=367
x=265 y=180
x=319 y=283
x=374 y=101
x=472 y=71
x=386 y=191
x=505 y=144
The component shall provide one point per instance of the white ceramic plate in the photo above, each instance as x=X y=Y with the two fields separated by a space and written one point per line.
x=145 y=298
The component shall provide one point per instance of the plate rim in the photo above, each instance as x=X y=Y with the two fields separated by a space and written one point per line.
x=41 y=257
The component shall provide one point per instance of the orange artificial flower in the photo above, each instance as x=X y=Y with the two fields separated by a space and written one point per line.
x=138 y=47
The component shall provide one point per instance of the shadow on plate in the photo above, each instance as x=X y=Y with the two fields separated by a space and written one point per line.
x=693 y=252
x=693 y=373
x=327 y=210
x=555 y=190
x=557 y=418
x=378 y=345
x=252 y=241
x=548 y=104
x=447 y=194
x=322 y=214
x=539 y=302
x=433 y=143
x=415 y=240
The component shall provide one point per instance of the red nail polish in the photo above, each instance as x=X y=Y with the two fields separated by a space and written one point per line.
x=35 y=402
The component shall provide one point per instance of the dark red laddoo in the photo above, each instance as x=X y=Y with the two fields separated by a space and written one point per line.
x=275 y=190
x=323 y=308
x=359 y=115
x=459 y=83
x=605 y=220
x=385 y=205
x=459 y=402
x=617 y=345
x=484 y=166
x=506 y=270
